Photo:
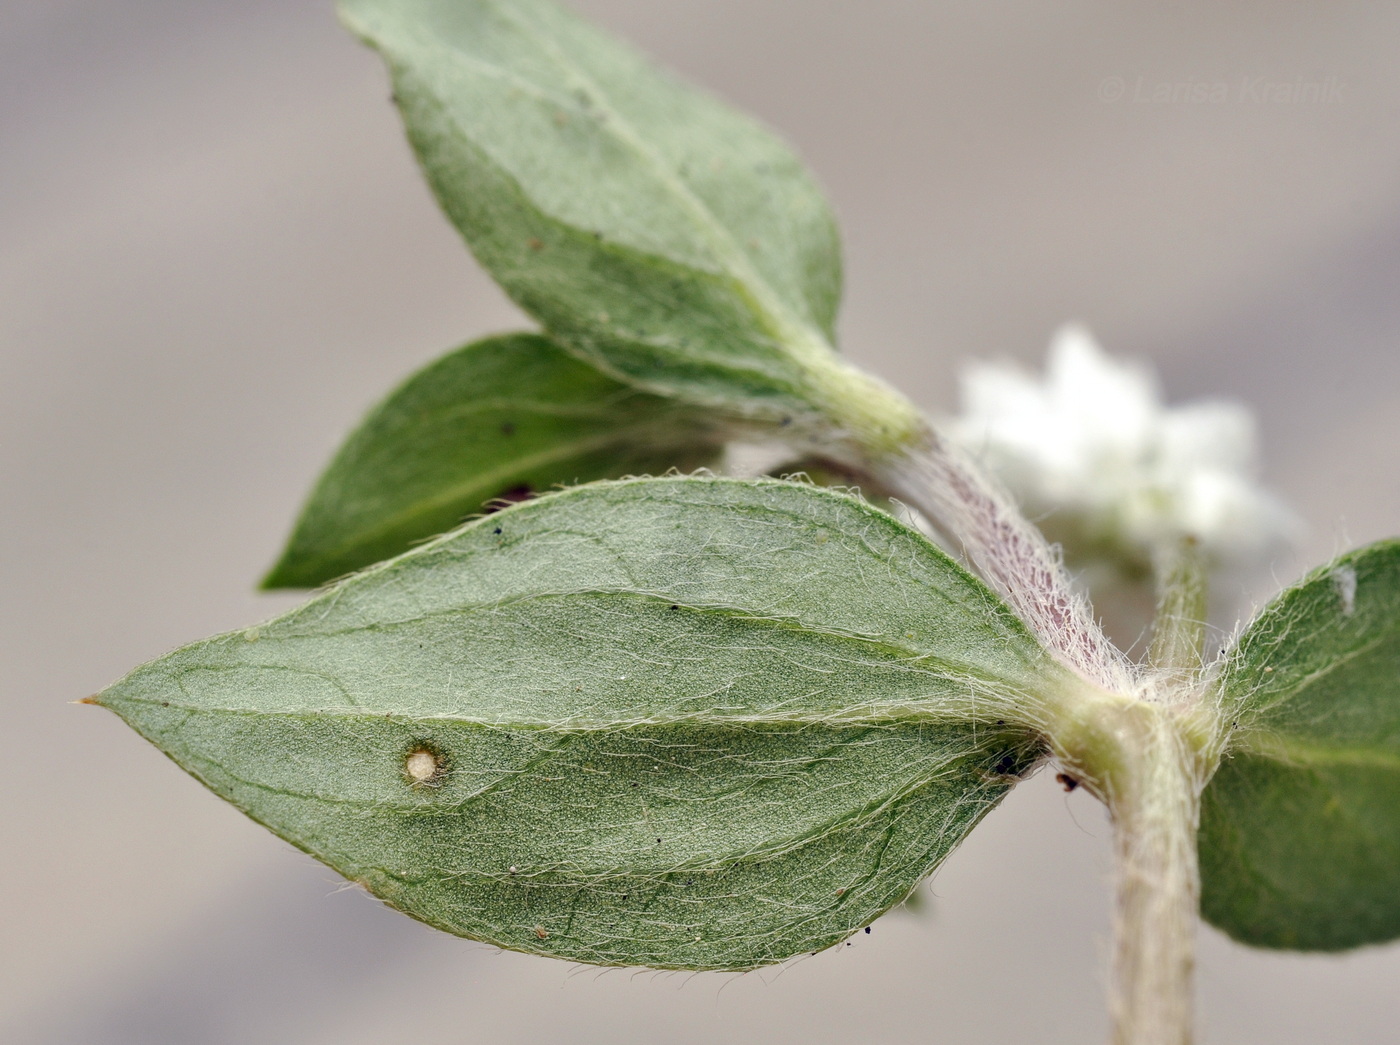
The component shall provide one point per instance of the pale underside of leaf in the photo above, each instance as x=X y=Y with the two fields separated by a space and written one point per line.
x=649 y=227
x=1300 y=829
x=686 y=723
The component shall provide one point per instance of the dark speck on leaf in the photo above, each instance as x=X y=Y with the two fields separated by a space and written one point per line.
x=1001 y=722
x=675 y=607
x=505 y=498
x=496 y=530
x=867 y=930
x=658 y=841
x=507 y=428
x=1006 y=765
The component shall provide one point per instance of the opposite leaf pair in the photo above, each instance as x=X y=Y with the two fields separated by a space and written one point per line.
x=686 y=266
x=701 y=723
x=695 y=722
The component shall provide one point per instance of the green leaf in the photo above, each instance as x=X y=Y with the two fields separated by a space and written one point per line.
x=682 y=722
x=1300 y=827
x=500 y=418
x=824 y=471
x=648 y=227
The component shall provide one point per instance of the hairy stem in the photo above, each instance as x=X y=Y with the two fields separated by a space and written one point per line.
x=956 y=495
x=1143 y=759
x=1136 y=737
x=1147 y=755
x=1155 y=806
x=1179 y=629
x=1152 y=785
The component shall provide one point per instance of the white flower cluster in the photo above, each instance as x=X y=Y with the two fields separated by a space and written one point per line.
x=1110 y=471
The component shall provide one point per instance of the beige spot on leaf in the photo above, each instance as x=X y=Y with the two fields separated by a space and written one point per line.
x=421 y=766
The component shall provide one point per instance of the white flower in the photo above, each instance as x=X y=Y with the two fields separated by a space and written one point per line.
x=1110 y=471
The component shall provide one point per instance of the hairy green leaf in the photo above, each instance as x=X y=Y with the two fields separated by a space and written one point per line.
x=681 y=722
x=1300 y=827
x=500 y=418
x=647 y=226
x=826 y=472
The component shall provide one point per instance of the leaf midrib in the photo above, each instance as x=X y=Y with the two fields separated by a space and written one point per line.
x=896 y=714
x=775 y=319
x=783 y=844
x=954 y=669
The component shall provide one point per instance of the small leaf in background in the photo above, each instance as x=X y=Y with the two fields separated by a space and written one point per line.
x=1300 y=827
x=645 y=224
x=682 y=722
x=499 y=419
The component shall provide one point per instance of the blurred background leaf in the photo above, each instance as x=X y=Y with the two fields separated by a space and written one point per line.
x=498 y=420
x=1300 y=828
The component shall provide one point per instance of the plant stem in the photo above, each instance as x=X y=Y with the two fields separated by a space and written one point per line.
x=1155 y=807
x=952 y=491
x=1179 y=628
x=1153 y=795
x=1147 y=756
x=1138 y=739
x=1144 y=760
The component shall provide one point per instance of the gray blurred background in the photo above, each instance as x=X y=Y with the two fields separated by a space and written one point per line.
x=215 y=252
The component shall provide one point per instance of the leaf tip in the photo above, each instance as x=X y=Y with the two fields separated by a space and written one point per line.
x=272 y=580
x=282 y=576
